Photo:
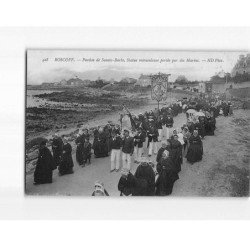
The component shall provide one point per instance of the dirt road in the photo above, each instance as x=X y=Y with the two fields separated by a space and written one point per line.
x=224 y=170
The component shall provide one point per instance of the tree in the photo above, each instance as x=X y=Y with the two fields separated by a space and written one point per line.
x=181 y=79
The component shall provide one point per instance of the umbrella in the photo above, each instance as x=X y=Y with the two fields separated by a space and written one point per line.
x=191 y=111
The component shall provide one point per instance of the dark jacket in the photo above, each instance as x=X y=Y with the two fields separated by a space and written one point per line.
x=128 y=145
x=169 y=121
x=138 y=140
x=152 y=134
x=116 y=142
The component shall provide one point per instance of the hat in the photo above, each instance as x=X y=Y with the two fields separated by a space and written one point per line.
x=165 y=152
x=124 y=171
x=99 y=186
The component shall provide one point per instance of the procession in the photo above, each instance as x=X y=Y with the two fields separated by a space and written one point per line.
x=147 y=149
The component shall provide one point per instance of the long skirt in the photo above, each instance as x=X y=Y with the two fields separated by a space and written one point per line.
x=66 y=165
x=79 y=154
x=165 y=183
x=101 y=149
x=42 y=176
x=194 y=153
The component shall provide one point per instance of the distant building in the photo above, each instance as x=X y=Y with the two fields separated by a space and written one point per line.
x=242 y=66
x=63 y=82
x=128 y=80
x=75 y=82
x=47 y=84
x=144 y=81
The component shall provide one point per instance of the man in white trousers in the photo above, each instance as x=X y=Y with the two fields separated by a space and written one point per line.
x=138 y=145
x=152 y=139
x=115 y=144
x=169 y=125
x=159 y=125
x=127 y=150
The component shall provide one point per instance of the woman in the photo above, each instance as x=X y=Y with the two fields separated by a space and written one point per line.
x=130 y=185
x=66 y=164
x=100 y=144
x=146 y=172
x=57 y=145
x=210 y=125
x=195 y=150
x=165 y=145
x=167 y=176
x=176 y=152
x=79 y=149
x=44 y=166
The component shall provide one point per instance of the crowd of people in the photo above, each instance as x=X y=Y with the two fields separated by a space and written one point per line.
x=139 y=137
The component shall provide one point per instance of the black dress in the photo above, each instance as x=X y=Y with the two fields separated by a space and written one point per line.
x=57 y=146
x=44 y=167
x=176 y=154
x=66 y=164
x=145 y=172
x=195 y=150
x=167 y=177
x=100 y=145
x=132 y=186
x=79 y=149
x=210 y=126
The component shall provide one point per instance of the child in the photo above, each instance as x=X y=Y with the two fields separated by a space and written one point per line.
x=99 y=189
x=86 y=151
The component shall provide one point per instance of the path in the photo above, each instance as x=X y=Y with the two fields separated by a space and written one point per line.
x=223 y=164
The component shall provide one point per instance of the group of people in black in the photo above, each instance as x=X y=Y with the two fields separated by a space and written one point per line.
x=149 y=129
x=61 y=157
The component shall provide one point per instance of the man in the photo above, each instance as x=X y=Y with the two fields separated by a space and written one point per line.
x=57 y=145
x=152 y=139
x=159 y=124
x=169 y=124
x=44 y=166
x=138 y=145
x=127 y=149
x=115 y=144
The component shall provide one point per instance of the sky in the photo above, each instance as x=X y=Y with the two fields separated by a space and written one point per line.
x=55 y=65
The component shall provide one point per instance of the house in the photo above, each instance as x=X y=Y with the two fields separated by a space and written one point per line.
x=242 y=66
